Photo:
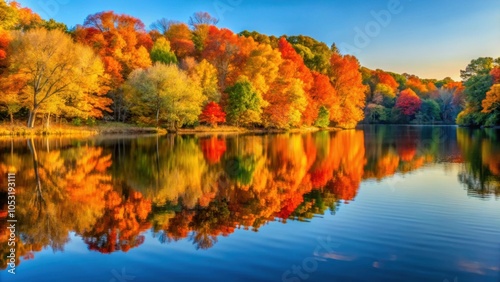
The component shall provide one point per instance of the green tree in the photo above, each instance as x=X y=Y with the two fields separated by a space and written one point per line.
x=475 y=92
x=479 y=66
x=52 y=24
x=377 y=113
x=316 y=54
x=244 y=104
x=162 y=53
x=429 y=111
x=323 y=119
x=477 y=81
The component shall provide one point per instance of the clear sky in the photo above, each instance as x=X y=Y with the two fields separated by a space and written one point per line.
x=432 y=39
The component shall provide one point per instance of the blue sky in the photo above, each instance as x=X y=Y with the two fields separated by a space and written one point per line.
x=432 y=39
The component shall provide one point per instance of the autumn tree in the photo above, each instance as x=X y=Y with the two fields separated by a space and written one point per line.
x=10 y=84
x=15 y=17
x=417 y=85
x=206 y=75
x=347 y=82
x=408 y=102
x=180 y=37
x=222 y=50
x=54 y=67
x=495 y=74
x=164 y=92
x=4 y=44
x=123 y=44
x=288 y=94
x=121 y=40
x=492 y=100
x=384 y=95
x=262 y=64
x=10 y=98
x=321 y=94
x=385 y=78
x=212 y=114
x=491 y=105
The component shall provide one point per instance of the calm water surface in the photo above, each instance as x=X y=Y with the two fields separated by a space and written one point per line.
x=374 y=204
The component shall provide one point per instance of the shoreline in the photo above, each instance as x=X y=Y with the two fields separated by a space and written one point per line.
x=126 y=129
x=115 y=129
x=23 y=131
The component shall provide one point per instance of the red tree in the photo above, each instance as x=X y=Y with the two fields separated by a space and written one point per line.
x=495 y=74
x=408 y=102
x=4 y=43
x=322 y=93
x=212 y=114
x=223 y=51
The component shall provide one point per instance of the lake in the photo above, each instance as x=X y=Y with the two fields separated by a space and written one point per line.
x=380 y=203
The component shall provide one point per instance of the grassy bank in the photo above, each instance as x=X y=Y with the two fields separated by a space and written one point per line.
x=115 y=128
x=69 y=130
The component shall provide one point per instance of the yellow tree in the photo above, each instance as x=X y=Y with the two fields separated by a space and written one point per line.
x=54 y=66
x=164 y=92
x=206 y=75
x=262 y=65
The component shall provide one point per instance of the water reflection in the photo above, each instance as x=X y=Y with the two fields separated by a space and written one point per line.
x=110 y=191
x=481 y=171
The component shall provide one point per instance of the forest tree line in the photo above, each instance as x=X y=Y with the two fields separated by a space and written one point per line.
x=183 y=74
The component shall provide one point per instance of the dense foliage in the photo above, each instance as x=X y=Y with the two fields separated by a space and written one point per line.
x=112 y=67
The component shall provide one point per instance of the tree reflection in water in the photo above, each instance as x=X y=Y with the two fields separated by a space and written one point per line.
x=110 y=191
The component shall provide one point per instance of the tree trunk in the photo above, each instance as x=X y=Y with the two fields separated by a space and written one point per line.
x=48 y=120
x=157 y=117
x=31 y=119
x=11 y=119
